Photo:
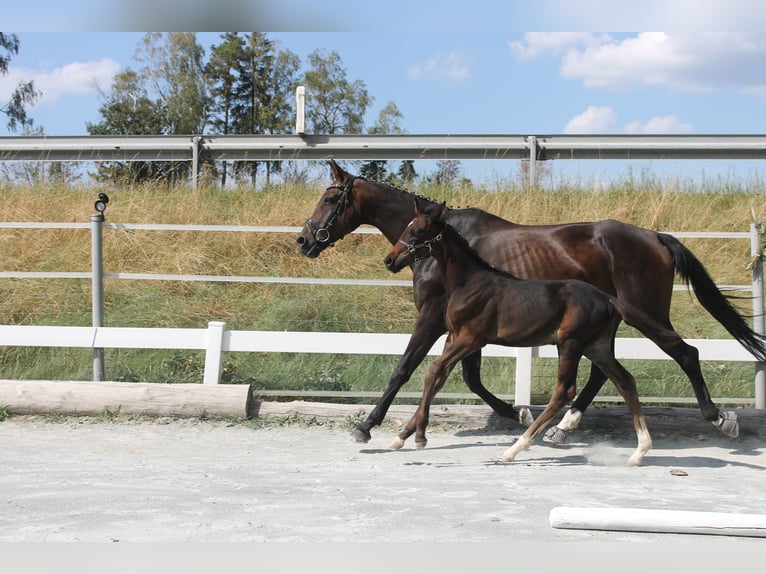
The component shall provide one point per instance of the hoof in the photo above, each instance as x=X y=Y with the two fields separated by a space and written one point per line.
x=360 y=435
x=421 y=445
x=397 y=444
x=555 y=435
x=728 y=423
x=525 y=417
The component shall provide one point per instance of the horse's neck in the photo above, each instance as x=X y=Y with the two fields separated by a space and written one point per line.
x=388 y=209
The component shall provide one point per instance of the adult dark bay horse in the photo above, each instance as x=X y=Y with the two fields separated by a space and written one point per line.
x=634 y=264
x=486 y=306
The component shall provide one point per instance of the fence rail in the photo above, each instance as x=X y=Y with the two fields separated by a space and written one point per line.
x=216 y=339
x=543 y=147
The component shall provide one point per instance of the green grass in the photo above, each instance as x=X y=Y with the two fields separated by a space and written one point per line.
x=724 y=207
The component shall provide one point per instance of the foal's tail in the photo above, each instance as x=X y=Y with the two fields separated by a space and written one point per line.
x=694 y=274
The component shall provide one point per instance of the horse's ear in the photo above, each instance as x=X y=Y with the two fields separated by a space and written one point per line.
x=338 y=174
x=442 y=209
x=417 y=210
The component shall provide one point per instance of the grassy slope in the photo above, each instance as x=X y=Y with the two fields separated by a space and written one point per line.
x=648 y=203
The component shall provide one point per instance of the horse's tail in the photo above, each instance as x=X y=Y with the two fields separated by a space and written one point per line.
x=649 y=327
x=694 y=274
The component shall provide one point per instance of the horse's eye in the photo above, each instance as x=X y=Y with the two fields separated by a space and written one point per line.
x=329 y=200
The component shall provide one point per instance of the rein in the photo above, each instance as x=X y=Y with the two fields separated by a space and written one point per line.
x=322 y=234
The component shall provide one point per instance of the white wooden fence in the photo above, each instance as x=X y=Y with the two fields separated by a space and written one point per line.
x=216 y=339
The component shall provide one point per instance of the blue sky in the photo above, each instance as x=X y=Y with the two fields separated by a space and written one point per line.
x=448 y=70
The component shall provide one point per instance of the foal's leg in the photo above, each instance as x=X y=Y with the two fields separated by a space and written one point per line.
x=435 y=378
x=429 y=326
x=569 y=357
x=558 y=434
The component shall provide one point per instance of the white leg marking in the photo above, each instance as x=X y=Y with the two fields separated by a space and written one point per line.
x=522 y=443
x=571 y=420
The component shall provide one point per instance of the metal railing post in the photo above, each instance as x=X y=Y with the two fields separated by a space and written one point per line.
x=97 y=269
x=758 y=310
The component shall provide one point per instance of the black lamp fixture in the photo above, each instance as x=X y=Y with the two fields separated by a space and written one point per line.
x=101 y=202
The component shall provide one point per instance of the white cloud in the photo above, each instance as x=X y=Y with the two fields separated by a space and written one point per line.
x=451 y=68
x=699 y=62
x=596 y=119
x=659 y=125
x=537 y=44
x=74 y=78
x=602 y=119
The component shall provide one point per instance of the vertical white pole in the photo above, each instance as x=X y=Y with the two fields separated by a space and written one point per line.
x=300 y=110
x=523 y=376
x=758 y=310
x=214 y=352
x=532 y=160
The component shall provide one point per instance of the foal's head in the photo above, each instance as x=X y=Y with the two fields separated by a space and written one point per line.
x=419 y=237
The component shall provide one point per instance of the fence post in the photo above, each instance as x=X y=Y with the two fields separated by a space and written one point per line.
x=523 y=395
x=758 y=310
x=97 y=290
x=532 y=172
x=214 y=352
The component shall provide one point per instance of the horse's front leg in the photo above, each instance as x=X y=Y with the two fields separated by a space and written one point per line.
x=429 y=326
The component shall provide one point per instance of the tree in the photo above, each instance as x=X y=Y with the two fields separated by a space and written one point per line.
x=25 y=93
x=447 y=172
x=387 y=123
x=221 y=72
x=252 y=84
x=167 y=95
x=174 y=75
x=334 y=105
x=127 y=109
x=406 y=173
x=262 y=102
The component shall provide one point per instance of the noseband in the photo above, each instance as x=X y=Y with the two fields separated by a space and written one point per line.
x=412 y=247
x=322 y=234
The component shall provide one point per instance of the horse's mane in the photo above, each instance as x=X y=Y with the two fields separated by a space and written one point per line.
x=416 y=196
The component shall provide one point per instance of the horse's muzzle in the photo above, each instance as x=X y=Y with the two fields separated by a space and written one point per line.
x=308 y=246
x=394 y=263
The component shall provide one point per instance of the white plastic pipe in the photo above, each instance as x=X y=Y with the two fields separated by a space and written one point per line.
x=650 y=520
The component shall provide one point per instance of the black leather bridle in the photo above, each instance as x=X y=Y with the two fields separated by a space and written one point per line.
x=322 y=233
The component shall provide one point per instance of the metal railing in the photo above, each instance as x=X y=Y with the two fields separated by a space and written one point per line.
x=535 y=148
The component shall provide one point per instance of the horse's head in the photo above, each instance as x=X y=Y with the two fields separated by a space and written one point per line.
x=331 y=219
x=418 y=238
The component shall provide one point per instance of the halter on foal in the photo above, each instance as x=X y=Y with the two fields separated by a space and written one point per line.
x=489 y=306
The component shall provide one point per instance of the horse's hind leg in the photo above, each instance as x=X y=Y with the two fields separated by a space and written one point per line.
x=626 y=385
x=688 y=359
x=472 y=378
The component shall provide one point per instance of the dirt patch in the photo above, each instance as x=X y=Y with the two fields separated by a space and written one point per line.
x=81 y=479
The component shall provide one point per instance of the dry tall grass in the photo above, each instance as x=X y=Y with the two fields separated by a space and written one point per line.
x=279 y=307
